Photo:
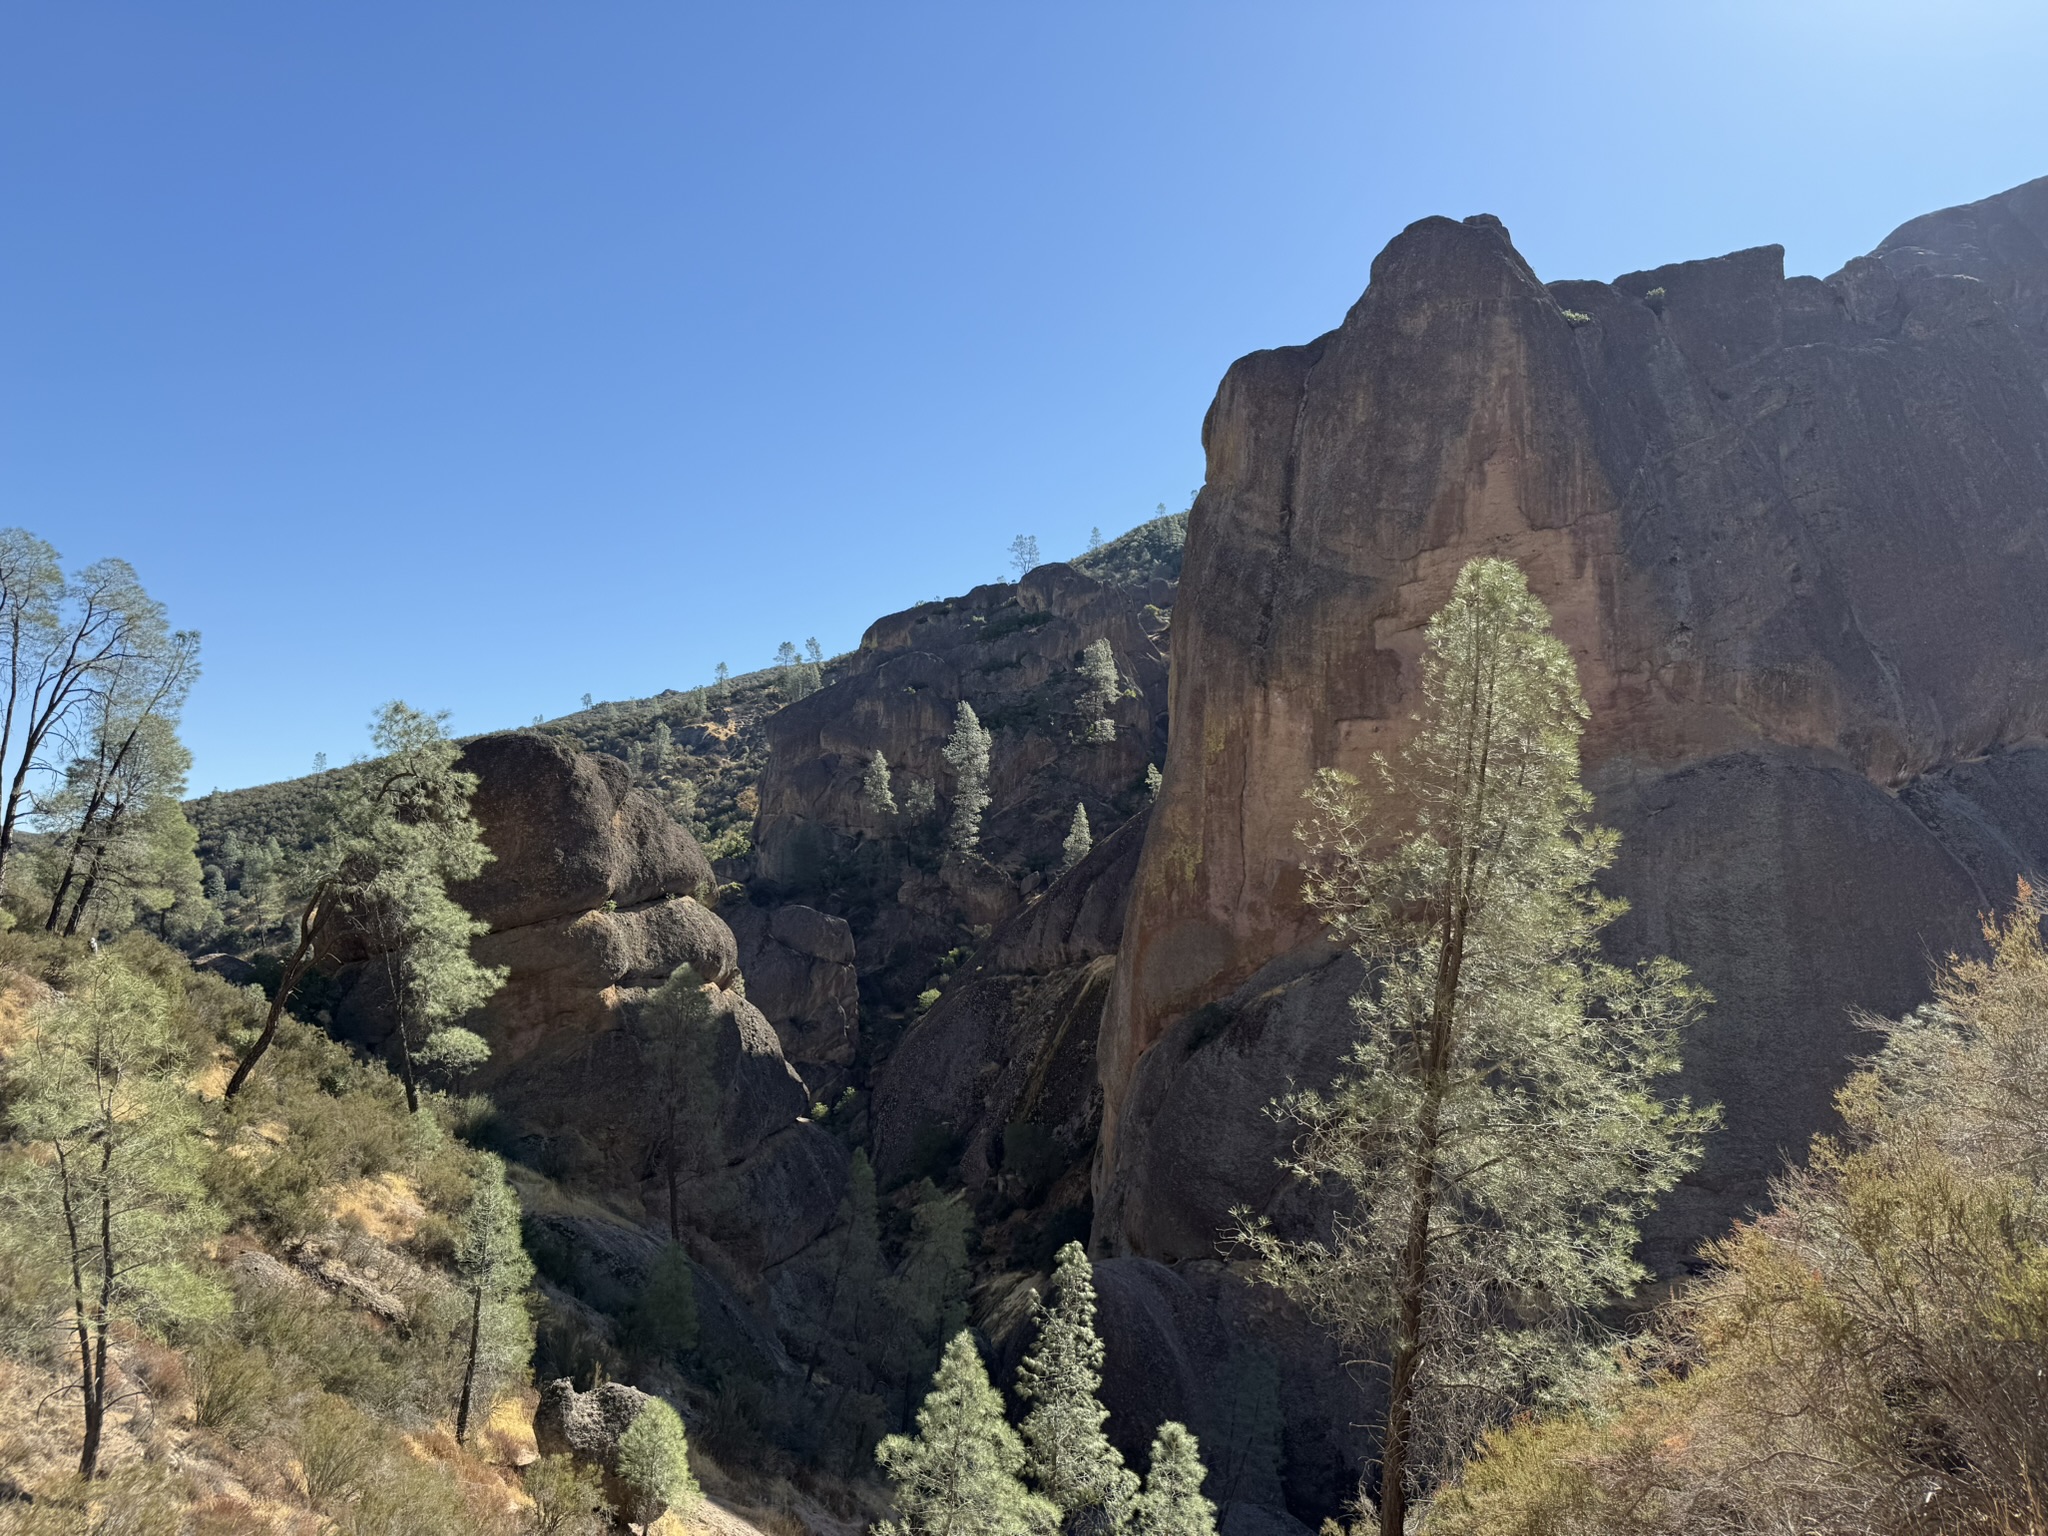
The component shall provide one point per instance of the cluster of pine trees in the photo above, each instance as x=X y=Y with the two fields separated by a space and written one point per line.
x=967 y=1470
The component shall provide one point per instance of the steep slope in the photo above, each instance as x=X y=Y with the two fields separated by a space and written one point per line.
x=1795 y=533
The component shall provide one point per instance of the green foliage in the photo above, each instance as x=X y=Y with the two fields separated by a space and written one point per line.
x=491 y=1265
x=1870 y=1355
x=1496 y=1126
x=1069 y=1457
x=874 y=786
x=1100 y=687
x=109 y=1196
x=1153 y=779
x=926 y=1299
x=676 y=1030
x=1078 y=841
x=966 y=753
x=1575 y=318
x=1151 y=551
x=958 y=1475
x=1023 y=554
x=568 y=1499
x=1172 y=1503
x=663 y=1319
x=654 y=1459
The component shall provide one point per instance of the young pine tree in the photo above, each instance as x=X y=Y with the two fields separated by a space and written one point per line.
x=111 y=1198
x=1172 y=1503
x=495 y=1272
x=925 y=1301
x=1023 y=554
x=958 y=1475
x=397 y=832
x=966 y=754
x=1079 y=839
x=1100 y=685
x=1070 y=1459
x=674 y=1029
x=874 y=786
x=1496 y=1128
x=654 y=1462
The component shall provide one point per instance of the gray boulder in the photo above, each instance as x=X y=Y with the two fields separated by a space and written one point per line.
x=587 y=1426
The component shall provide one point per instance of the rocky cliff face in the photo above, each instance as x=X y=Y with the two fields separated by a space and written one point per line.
x=1012 y=651
x=1795 y=533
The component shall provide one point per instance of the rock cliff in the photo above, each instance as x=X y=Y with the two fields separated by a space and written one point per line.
x=1795 y=532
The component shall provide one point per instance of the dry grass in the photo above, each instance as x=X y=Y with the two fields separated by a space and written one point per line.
x=386 y=1207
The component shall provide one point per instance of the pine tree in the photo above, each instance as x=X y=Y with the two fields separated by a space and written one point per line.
x=674 y=1029
x=654 y=1461
x=1100 y=685
x=660 y=744
x=1094 y=540
x=1486 y=1222
x=111 y=1197
x=967 y=755
x=1023 y=554
x=958 y=1475
x=786 y=654
x=814 y=653
x=1153 y=779
x=663 y=1319
x=1079 y=839
x=926 y=1299
x=495 y=1272
x=1070 y=1459
x=398 y=831
x=874 y=786
x=1172 y=1503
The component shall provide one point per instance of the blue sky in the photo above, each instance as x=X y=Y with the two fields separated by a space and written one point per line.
x=485 y=355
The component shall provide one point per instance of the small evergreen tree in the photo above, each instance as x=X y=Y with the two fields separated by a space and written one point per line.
x=1070 y=1459
x=654 y=1461
x=1079 y=839
x=495 y=1272
x=663 y=1321
x=967 y=755
x=674 y=1030
x=1023 y=554
x=874 y=786
x=1100 y=685
x=814 y=653
x=660 y=744
x=920 y=800
x=1172 y=1503
x=111 y=1198
x=786 y=654
x=958 y=1475
x=1153 y=779
x=926 y=1298
x=1094 y=540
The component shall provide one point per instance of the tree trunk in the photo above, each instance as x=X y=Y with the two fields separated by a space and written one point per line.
x=412 y=1087
x=92 y=880
x=309 y=927
x=476 y=1325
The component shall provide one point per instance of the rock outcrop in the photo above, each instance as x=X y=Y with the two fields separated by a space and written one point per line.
x=1013 y=652
x=1795 y=533
x=799 y=968
x=587 y=1427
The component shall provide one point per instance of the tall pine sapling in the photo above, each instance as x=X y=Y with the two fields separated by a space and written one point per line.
x=654 y=1462
x=874 y=786
x=1070 y=1459
x=966 y=754
x=1172 y=1503
x=1496 y=1130
x=674 y=1029
x=958 y=1475
x=1079 y=839
x=491 y=1263
x=1100 y=686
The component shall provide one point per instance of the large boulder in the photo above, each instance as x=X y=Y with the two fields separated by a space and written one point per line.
x=1795 y=534
x=800 y=973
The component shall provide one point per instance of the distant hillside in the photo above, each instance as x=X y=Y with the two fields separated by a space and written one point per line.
x=717 y=744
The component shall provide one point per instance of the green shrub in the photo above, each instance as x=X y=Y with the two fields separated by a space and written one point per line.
x=654 y=1459
x=231 y=1386
x=568 y=1500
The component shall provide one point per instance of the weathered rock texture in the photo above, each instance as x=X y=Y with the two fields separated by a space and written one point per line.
x=1795 y=533
x=799 y=968
x=1011 y=651
x=587 y=1426
x=1003 y=1066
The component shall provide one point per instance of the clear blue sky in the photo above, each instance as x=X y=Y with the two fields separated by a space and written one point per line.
x=486 y=354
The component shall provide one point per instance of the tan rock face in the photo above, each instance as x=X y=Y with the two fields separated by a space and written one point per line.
x=1795 y=534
